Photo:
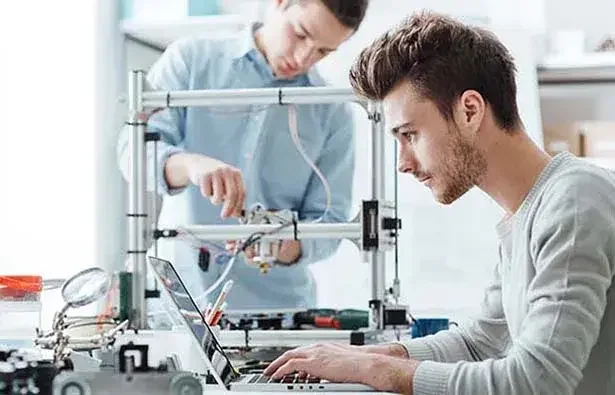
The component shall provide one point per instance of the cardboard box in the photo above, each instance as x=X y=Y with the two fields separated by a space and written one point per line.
x=563 y=137
x=599 y=139
x=587 y=138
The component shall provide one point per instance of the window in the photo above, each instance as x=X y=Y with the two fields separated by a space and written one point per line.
x=48 y=131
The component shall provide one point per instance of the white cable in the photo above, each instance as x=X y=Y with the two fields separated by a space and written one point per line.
x=234 y=258
x=294 y=134
x=219 y=281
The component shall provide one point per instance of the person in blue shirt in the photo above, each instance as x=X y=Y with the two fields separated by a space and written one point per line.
x=215 y=161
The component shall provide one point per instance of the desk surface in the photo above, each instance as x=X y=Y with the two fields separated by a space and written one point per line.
x=214 y=390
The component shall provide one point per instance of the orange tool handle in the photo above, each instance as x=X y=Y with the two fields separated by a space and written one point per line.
x=23 y=283
x=326 y=322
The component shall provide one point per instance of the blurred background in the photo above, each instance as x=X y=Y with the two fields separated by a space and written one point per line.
x=63 y=73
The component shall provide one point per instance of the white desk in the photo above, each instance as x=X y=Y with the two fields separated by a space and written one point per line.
x=216 y=391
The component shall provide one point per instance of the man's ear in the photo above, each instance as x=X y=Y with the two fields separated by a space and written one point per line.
x=470 y=110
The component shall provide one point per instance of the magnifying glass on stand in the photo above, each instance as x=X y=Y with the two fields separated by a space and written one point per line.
x=80 y=290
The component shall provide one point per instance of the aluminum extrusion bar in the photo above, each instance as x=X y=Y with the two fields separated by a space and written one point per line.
x=137 y=215
x=349 y=230
x=238 y=97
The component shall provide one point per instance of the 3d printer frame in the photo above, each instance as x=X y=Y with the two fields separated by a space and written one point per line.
x=374 y=231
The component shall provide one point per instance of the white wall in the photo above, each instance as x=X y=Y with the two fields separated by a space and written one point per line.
x=47 y=165
x=595 y=17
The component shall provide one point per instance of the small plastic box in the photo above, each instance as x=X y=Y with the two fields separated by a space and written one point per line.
x=20 y=309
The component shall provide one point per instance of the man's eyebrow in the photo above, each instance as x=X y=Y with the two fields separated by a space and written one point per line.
x=396 y=129
x=311 y=36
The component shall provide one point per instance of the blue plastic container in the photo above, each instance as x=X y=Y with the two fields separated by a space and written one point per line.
x=429 y=326
x=203 y=7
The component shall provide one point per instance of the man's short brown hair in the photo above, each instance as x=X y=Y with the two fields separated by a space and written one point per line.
x=442 y=58
x=350 y=13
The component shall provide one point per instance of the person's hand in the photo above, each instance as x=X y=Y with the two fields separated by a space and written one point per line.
x=220 y=182
x=289 y=251
x=344 y=364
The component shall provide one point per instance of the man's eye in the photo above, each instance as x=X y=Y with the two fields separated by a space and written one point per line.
x=408 y=136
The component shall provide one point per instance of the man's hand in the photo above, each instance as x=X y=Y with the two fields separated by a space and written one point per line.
x=341 y=364
x=218 y=181
x=289 y=251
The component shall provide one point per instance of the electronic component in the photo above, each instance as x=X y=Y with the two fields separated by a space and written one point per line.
x=204 y=258
x=131 y=375
x=26 y=372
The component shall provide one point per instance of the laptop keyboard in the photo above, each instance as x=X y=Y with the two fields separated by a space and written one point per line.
x=288 y=379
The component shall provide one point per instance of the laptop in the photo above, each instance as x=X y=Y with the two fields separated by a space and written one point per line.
x=220 y=366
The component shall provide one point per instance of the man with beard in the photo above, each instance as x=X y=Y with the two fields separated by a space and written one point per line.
x=547 y=319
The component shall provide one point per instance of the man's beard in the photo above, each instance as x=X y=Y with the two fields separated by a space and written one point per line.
x=462 y=168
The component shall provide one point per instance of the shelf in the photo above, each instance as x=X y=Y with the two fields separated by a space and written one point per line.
x=590 y=68
x=159 y=34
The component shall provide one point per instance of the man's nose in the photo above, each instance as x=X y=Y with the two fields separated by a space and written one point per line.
x=406 y=162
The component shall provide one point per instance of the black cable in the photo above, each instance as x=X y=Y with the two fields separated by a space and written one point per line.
x=255 y=237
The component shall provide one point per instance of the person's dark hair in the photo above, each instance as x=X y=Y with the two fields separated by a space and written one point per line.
x=350 y=13
x=442 y=58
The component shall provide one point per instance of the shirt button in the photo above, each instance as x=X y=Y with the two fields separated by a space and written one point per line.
x=247 y=156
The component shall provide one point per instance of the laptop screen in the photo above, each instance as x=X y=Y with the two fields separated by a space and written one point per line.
x=175 y=288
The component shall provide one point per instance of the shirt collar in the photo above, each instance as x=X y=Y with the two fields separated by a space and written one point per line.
x=246 y=46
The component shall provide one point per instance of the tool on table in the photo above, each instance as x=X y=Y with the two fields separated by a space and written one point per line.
x=219 y=301
x=346 y=319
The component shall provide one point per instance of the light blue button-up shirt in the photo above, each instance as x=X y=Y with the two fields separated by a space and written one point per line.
x=255 y=139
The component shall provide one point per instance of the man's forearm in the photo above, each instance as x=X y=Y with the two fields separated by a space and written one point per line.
x=392 y=374
x=176 y=169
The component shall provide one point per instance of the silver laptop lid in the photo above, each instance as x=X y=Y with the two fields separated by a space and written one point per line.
x=175 y=288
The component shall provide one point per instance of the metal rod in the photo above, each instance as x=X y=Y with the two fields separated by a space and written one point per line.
x=396 y=282
x=377 y=258
x=235 y=97
x=137 y=216
x=348 y=230
x=154 y=225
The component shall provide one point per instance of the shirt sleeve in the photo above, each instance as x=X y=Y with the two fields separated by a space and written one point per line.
x=170 y=72
x=572 y=246
x=337 y=162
